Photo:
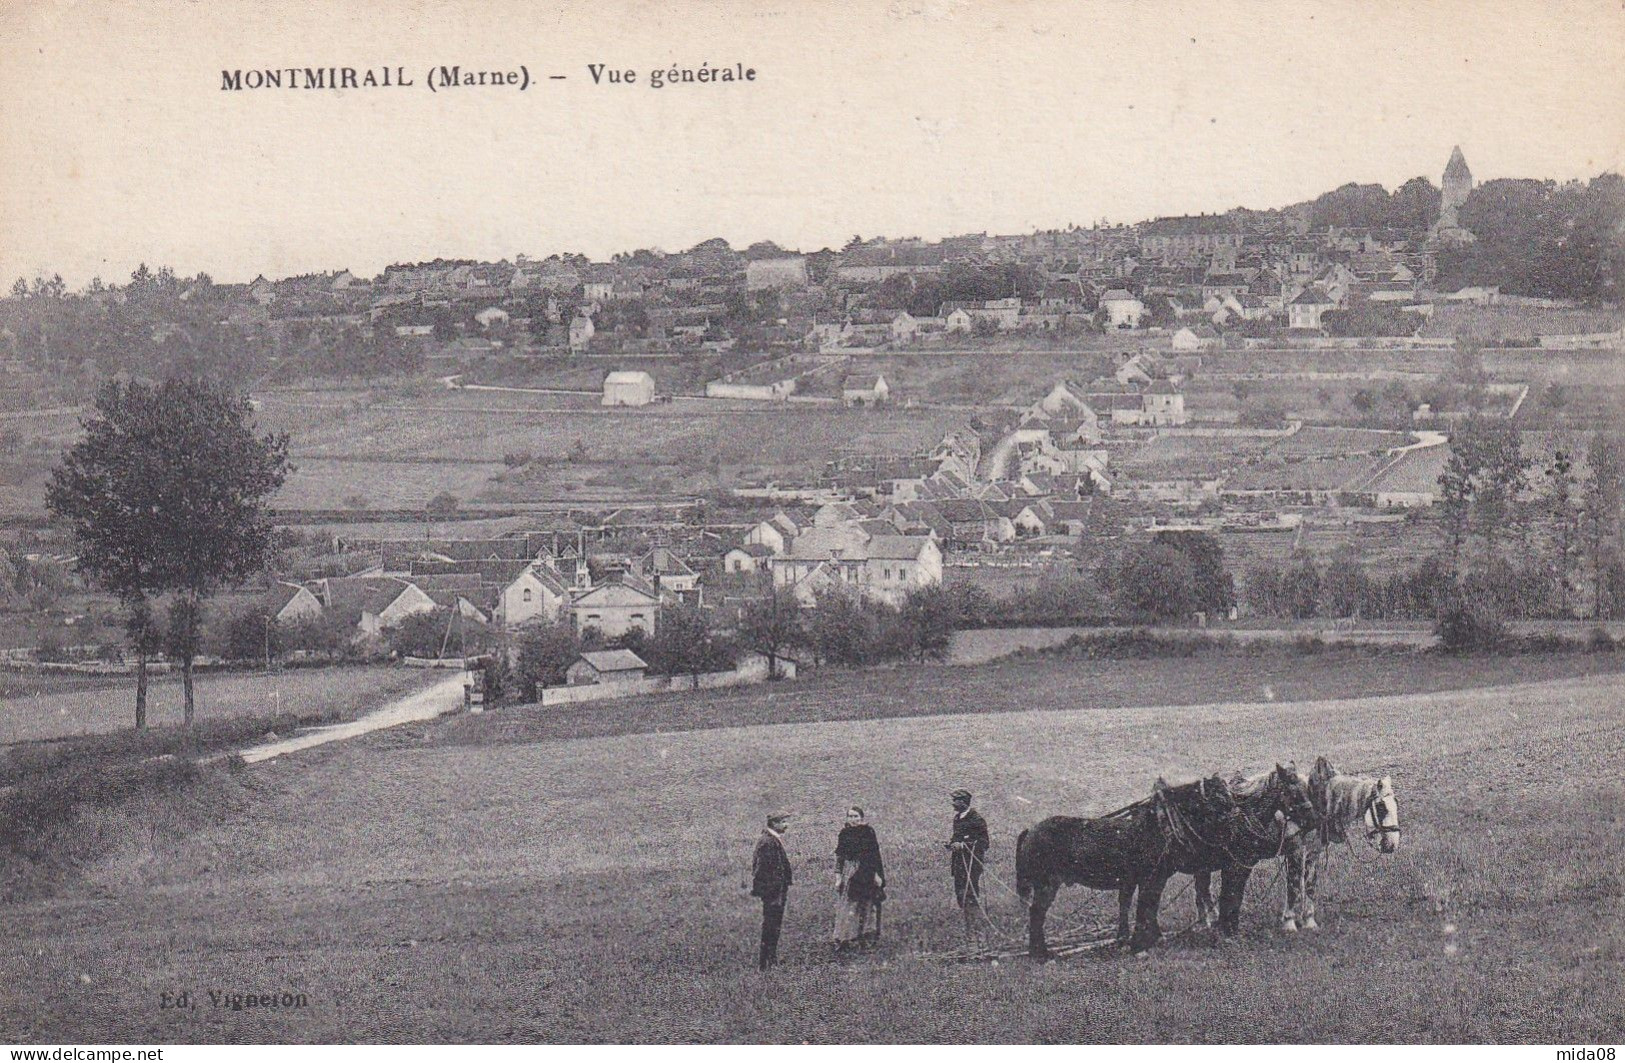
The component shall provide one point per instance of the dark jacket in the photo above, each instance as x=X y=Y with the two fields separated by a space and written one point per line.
x=971 y=829
x=857 y=845
x=770 y=870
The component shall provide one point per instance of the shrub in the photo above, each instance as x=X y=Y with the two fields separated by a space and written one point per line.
x=1600 y=641
x=1468 y=625
x=1155 y=581
x=542 y=654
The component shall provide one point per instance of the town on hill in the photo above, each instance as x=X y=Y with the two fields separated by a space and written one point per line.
x=1260 y=414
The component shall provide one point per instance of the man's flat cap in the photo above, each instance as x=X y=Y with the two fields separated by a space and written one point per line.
x=960 y=795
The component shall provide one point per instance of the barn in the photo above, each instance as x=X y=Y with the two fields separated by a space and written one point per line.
x=629 y=389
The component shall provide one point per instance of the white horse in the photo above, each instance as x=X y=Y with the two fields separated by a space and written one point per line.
x=1344 y=802
x=1341 y=802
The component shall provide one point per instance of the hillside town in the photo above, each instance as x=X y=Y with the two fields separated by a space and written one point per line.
x=1285 y=383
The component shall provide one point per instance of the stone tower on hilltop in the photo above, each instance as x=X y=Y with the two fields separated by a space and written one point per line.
x=1458 y=183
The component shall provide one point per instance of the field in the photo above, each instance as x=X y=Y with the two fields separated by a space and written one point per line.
x=57 y=709
x=479 y=879
x=400 y=450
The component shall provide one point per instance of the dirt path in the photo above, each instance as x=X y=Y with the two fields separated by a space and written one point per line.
x=444 y=696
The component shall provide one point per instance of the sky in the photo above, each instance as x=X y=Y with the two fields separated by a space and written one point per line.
x=867 y=117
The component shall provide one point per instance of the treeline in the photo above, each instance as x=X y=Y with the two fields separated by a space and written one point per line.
x=1541 y=238
x=1413 y=205
x=162 y=326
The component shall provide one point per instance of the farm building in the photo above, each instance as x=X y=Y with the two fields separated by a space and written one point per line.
x=855 y=394
x=605 y=666
x=629 y=389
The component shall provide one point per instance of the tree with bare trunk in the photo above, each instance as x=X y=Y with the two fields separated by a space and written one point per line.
x=166 y=494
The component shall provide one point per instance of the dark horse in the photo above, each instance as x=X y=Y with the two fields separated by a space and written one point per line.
x=1209 y=825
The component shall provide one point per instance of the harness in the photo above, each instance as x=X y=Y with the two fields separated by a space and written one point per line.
x=1179 y=828
x=1375 y=827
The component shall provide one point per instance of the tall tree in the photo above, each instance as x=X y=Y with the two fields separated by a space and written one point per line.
x=927 y=618
x=683 y=644
x=772 y=625
x=166 y=493
x=1560 y=485
x=1603 y=497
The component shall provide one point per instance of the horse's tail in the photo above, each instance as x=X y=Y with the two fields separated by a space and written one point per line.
x=1024 y=885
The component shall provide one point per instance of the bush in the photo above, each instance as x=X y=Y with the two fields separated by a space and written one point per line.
x=1156 y=582
x=542 y=654
x=442 y=505
x=323 y=635
x=244 y=636
x=1468 y=625
x=1600 y=642
x=50 y=648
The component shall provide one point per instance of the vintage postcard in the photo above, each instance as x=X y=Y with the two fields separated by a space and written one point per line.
x=836 y=522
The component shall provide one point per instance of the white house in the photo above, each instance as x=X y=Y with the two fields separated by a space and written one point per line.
x=1160 y=404
x=1123 y=311
x=774 y=533
x=581 y=331
x=904 y=327
x=372 y=603
x=616 y=608
x=536 y=593
x=491 y=316
x=1305 y=311
x=629 y=389
x=750 y=557
x=886 y=567
x=877 y=394
x=1197 y=339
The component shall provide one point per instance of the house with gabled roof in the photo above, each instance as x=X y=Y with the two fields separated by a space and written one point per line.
x=605 y=666
x=973 y=522
x=855 y=393
x=1122 y=309
x=614 y=608
x=1307 y=308
x=669 y=575
x=372 y=603
x=536 y=592
x=289 y=603
x=746 y=558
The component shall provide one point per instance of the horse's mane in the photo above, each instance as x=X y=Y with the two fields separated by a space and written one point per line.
x=1244 y=787
x=1346 y=799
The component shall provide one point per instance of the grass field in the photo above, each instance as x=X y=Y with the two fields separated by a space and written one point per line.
x=428 y=884
x=399 y=450
x=106 y=705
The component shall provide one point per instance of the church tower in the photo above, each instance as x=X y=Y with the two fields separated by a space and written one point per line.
x=1458 y=182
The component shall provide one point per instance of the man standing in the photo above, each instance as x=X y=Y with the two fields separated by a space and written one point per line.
x=864 y=887
x=770 y=880
x=966 y=848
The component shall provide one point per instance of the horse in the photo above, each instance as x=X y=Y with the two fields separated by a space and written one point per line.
x=1339 y=801
x=1208 y=825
